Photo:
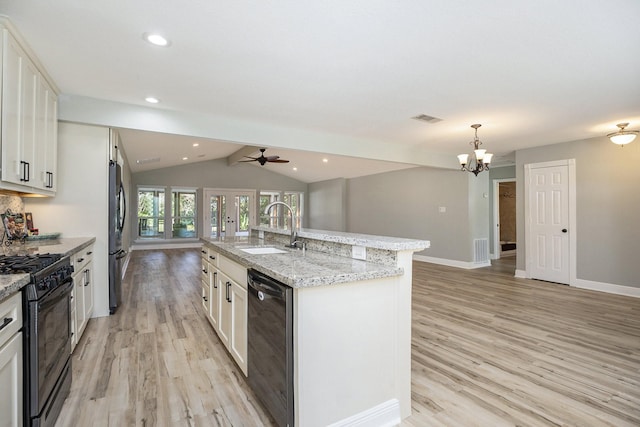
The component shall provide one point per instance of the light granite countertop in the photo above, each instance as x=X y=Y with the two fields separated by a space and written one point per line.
x=366 y=240
x=297 y=269
x=12 y=283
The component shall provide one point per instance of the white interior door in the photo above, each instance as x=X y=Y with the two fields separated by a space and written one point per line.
x=548 y=238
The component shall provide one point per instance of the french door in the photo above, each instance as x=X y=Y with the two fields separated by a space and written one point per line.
x=228 y=213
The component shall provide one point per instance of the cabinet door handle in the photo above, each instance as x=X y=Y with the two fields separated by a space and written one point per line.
x=212 y=257
x=204 y=298
x=80 y=259
x=24 y=177
x=227 y=296
x=204 y=271
x=204 y=252
x=89 y=253
x=215 y=280
x=6 y=322
x=86 y=277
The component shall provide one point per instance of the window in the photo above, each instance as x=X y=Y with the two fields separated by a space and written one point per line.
x=183 y=208
x=152 y=215
x=151 y=212
x=279 y=216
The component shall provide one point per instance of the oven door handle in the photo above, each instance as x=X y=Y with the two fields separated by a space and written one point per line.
x=58 y=293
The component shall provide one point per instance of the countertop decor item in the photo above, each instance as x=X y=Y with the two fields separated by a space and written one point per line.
x=14 y=227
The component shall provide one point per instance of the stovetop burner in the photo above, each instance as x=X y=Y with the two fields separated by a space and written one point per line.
x=16 y=264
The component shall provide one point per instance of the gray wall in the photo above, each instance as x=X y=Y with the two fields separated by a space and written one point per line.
x=405 y=204
x=214 y=174
x=327 y=200
x=504 y=172
x=607 y=207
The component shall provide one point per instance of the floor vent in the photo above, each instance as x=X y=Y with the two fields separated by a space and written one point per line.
x=480 y=250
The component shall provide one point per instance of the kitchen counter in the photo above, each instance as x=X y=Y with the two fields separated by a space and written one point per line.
x=351 y=317
x=299 y=269
x=12 y=283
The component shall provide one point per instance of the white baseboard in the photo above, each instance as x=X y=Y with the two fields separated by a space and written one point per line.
x=165 y=245
x=521 y=274
x=387 y=414
x=607 y=287
x=452 y=262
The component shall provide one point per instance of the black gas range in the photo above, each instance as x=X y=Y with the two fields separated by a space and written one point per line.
x=47 y=333
x=47 y=271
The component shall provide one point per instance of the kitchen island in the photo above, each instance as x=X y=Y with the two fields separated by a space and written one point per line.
x=352 y=320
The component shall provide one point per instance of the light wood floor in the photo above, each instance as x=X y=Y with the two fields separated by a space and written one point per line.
x=488 y=350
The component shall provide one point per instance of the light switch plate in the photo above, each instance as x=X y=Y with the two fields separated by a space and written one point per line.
x=359 y=252
x=442 y=209
x=260 y=234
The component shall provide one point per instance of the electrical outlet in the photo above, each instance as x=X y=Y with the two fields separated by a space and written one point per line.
x=442 y=209
x=359 y=252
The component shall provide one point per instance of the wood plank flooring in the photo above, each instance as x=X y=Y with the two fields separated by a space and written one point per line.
x=157 y=361
x=492 y=350
x=488 y=350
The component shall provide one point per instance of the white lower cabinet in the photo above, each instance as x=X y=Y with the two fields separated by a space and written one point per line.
x=227 y=297
x=11 y=361
x=82 y=294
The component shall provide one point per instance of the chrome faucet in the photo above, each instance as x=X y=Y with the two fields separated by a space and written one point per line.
x=292 y=240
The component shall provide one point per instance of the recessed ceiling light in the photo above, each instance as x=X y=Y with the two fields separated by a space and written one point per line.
x=195 y=144
x=325 y=160
x=295 y=168
x=149 y=160
x=185 y=158
x=152 y=100
x=156 y=39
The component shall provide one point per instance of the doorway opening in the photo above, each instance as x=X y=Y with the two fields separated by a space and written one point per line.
x=504 y=211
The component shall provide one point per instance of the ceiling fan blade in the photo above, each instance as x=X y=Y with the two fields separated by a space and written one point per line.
x=278 y=161
x=244 y=161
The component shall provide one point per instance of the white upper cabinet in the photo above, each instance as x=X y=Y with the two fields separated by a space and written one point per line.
x=29 y=121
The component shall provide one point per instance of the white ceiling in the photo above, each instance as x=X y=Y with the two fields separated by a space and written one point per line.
x=532 y=72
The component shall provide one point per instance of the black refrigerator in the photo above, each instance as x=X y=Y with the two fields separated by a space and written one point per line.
x=117 y=212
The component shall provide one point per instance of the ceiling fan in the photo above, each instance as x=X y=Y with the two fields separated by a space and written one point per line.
x=262 y=159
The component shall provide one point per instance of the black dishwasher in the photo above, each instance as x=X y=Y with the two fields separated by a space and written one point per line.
x=270 y=342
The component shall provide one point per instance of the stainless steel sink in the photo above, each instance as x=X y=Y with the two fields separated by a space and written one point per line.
x=263 y=251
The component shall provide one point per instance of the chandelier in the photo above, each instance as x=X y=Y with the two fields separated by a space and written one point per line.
x=623 y=137
x=480 y=159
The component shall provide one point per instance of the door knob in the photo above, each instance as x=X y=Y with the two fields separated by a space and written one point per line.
x=564 y=230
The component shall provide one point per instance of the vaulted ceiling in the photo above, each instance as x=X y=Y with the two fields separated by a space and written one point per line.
x=531 y=72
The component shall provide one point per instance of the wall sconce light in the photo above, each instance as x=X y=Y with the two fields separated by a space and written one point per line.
x=623 y=137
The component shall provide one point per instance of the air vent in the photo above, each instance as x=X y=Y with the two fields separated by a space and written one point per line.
x=149 y=160
x=425 y=118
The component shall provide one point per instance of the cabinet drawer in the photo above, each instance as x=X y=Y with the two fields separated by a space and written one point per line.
x=80 y=259
x=211 y=256
x=234 y=270
x=10 y=317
